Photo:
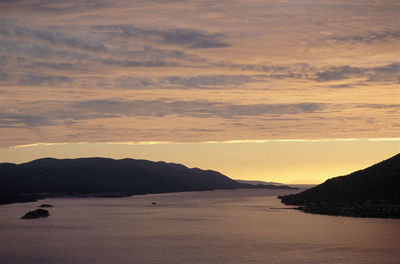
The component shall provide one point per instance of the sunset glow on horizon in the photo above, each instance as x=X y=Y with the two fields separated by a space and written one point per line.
x=286 y=91
x=285 y=161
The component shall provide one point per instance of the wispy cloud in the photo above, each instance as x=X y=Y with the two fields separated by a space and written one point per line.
x=134 y=63
x=179 y=71
x=212 y=81
x=24 y=119
x=370 y=37
x=247 y=141
x=55 y=7
x=191 y=108
x=389 y=72
x=193 y=39
x=58 y=112
x=51 y=35
x=339 y=73
x=34 y=80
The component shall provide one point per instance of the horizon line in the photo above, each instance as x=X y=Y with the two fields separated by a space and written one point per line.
x=203 y=142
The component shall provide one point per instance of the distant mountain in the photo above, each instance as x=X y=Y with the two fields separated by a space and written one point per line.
x=372 y=192
x=104 y=177
x=259 y=182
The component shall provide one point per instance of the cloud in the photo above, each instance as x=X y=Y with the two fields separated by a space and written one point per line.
x=29 y=120
x=379 y=106
x=3 y=75
x=339 y=86
x=145 y=68
x=54 y=7
x=390 y=72
x=190 y=38
x=149 y=56
x=134 y=63
x=338 y=73
x=129 y=82
x=148 y=52
x=193 y=39
x=370 y=37
x=45 y=113
x=222 y=81
x=107 y=108
x=48 y=80
x=390 y=68
x=157 y=108
x=32 y=50
x=211 y=81
x=52 y=35
x=385 y=73
x=272 y=71
x=62 y=66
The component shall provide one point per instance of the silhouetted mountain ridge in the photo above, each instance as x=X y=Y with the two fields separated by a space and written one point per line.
x=376 y=187
x=105 y=177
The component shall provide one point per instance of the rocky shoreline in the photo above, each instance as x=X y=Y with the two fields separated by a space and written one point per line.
x=38 y=213
x=368 y=209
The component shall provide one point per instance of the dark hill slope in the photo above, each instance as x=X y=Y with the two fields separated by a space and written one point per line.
x=104 y=177
x=376 y=187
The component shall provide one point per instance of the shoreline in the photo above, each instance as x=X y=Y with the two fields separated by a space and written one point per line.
x=34 y=197
x=369 y=209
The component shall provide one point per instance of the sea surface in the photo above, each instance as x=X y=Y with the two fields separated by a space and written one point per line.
x=227 y=226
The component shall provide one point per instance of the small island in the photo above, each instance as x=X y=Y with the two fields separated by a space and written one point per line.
x=36 y=214
x=45 y=205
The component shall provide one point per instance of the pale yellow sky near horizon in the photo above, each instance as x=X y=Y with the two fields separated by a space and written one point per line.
x=187 y=72
x=296 y=161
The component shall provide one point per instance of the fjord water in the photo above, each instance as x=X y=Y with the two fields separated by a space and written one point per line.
x=230 y=226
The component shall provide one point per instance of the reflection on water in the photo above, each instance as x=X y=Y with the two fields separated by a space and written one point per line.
x=240 y=226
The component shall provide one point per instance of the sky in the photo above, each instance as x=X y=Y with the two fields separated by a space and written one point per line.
x=197 y=81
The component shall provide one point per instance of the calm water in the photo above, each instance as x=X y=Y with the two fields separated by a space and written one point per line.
x=241 y=226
